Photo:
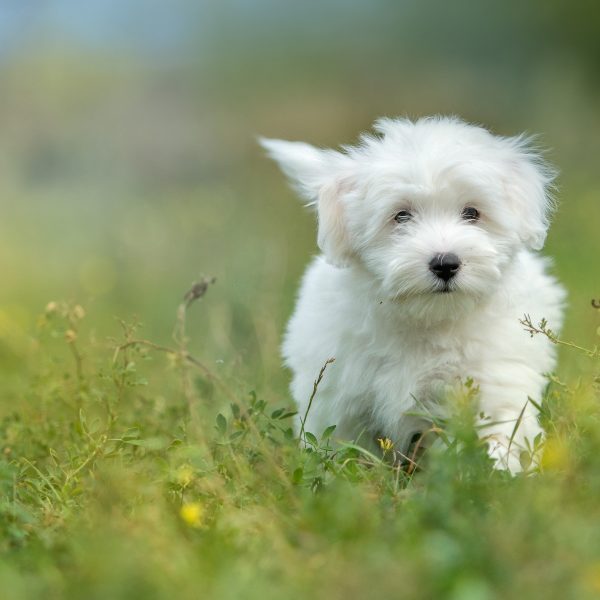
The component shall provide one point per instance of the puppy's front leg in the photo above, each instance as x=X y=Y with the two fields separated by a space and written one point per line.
x=510 y=422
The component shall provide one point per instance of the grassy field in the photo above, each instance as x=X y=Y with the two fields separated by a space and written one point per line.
x=145 y=444
x=118 y=481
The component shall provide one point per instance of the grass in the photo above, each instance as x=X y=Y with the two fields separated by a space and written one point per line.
x=123 y=475
x=145 y=445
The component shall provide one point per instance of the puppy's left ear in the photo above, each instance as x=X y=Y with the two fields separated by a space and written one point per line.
x=529 y=186
x=321 y=178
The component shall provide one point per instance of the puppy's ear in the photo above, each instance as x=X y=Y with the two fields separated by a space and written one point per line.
x=321 y=177
x=529 y=185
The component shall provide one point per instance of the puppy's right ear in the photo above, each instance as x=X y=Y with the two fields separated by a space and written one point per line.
x=320 y=177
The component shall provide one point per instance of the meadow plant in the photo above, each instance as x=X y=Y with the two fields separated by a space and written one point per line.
x=131 y=468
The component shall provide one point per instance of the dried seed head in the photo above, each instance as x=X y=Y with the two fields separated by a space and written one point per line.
x=70 y=336
x=198 y=290
x=78 y=312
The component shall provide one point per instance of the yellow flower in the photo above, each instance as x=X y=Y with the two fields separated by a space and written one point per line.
x=556 y=455
x=191 y=513
x=385 y=444
x=590 y=577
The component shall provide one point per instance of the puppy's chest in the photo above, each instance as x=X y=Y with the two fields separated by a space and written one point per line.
x=421 y=367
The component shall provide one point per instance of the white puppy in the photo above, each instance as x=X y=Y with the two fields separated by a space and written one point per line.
x=428 y=232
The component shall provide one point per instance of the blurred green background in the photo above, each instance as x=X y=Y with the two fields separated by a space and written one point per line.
x=129 y=166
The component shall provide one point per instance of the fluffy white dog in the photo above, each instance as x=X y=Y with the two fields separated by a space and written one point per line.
x=428 y=232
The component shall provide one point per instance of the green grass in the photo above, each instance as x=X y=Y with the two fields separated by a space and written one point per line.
x=132 y=469
x=128 y=470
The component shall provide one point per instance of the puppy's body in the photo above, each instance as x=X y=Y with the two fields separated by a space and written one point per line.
x=403 y=329
x=387 y=365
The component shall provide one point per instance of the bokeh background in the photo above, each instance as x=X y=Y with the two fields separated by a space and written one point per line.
x=129 y=165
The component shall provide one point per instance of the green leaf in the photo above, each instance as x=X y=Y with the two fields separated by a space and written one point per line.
x=221 y=424
x=297 y=475
x=287 y=415
x=327 y=433
x=311 y=439
x=536 y=404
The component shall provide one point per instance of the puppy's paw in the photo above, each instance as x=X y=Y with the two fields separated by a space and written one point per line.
x=510 y=457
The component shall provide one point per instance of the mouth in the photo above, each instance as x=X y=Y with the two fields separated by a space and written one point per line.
x=437 y=289
x=445 y=289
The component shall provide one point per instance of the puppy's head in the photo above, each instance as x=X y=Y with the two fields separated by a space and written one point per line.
x=435 y=210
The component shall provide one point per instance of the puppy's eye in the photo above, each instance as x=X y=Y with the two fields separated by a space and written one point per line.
x=402 y=216
x=470 y=214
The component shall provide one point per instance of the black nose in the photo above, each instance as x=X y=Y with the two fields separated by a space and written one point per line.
x=445 y=266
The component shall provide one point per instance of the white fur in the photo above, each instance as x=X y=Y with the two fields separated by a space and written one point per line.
x=371 y=302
